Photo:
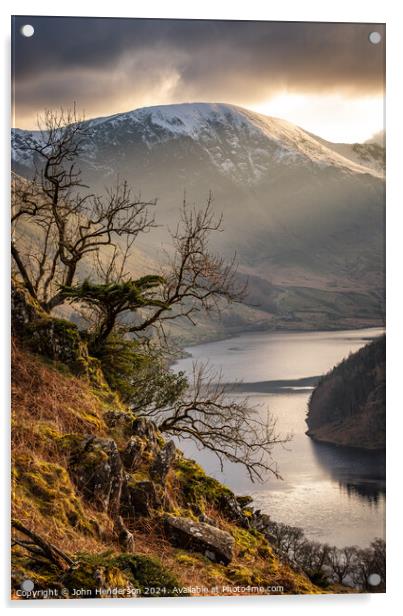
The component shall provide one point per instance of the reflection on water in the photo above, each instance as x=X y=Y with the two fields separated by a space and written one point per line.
x=359 y=472
x=337 y=495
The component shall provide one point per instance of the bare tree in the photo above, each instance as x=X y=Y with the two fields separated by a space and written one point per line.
x=286 y=538
x=67 y=221
x=370 y=561
x=341 y=562
x=72 y=227
x=312 y=556
x=193 y=279
x=229 y=426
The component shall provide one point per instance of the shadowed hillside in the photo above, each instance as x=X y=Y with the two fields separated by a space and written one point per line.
x=305 y=216
x=348 y=405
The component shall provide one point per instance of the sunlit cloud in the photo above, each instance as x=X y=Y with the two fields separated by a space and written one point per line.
x=326 y=77
x=335 y=117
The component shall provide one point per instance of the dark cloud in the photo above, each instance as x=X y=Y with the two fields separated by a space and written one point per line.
x=102 y=63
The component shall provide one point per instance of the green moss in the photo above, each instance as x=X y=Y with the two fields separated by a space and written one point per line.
x=134 y=478
x=186 y=559
x=54 y=338
x=197 y=488
x=92 y=572
x=245 y=541
x=251 y=544
x=148 y=572
x=88 y=461
x=43 y=575
x=245 y=576
x=48 y=486
x=69 y=442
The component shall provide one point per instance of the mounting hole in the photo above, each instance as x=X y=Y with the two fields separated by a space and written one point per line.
x=374 y=579
x=27 y=585
x=375 y=37
x=27 y=30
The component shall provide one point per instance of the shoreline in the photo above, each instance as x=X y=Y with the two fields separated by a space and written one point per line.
x=327 y=441
x=281 y=330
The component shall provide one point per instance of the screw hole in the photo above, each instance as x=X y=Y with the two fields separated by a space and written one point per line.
x=374 y=579
x=27 y=30
x=375 y=38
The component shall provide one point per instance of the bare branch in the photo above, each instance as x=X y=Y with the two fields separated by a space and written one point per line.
x=225 y=424
x=39 y=547
x=195 y=279
x=67 y=224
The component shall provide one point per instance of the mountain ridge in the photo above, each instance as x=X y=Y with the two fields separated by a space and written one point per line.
x=191 y=119
x=306 y=223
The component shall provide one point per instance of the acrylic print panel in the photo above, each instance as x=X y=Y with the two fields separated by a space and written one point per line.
x=198 y=308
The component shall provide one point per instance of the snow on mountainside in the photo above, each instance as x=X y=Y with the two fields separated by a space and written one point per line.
x=209 y=123
x=305 y=216
x=240 y=143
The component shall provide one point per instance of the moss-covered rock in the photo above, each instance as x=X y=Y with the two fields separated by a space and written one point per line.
x=55 y=338
x=163 y=462
x=148 y=573
x=49 y=487
x=198 y=490
x=214 y=543
x=97 y=471
x=141 y=497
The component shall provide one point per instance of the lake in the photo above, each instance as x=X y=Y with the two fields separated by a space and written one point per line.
x=336 y=494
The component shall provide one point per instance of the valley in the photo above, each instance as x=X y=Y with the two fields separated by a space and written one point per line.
x=304 y=217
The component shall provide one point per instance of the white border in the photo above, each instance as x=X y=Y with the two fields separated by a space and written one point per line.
x=287 y=10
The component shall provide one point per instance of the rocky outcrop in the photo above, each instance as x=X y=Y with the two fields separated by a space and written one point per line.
x=232 y=509
x=124 y=536
x=163 y=462
x=97 y=471
x=132 y=455
x=57 y=339
x=143 y=443
x=215 y=544
x=141 y=498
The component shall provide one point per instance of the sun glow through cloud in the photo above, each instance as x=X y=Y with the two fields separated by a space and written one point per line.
x=333 y=117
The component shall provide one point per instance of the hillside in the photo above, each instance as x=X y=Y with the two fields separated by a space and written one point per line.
x=305 y=217
x=103 y=504
x=348 y=405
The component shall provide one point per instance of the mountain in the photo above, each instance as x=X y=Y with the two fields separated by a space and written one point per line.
x=305 y=216
x=348 y=406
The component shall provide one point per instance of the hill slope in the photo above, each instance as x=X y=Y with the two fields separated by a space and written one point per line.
x=348 y=405
x=100 y=501
x=306 y=217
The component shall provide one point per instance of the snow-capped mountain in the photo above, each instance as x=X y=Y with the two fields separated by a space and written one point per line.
x=240 y=143
x=303 y=214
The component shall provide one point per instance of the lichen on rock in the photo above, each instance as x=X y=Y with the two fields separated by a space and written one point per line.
x=96 y=468
x=216 y=544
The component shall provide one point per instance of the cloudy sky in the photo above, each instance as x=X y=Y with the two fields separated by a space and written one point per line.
x=328 y=78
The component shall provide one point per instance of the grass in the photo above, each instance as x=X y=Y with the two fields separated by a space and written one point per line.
x=51 y=410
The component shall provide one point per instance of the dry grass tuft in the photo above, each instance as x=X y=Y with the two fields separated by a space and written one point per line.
x=47 y=404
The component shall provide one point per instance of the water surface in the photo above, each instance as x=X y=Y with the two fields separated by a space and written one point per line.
x=337 y=495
